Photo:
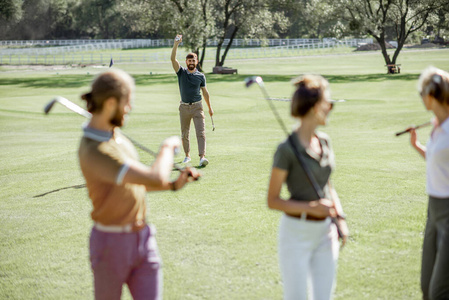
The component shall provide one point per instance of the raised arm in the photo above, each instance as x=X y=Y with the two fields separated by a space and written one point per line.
x=174 y=61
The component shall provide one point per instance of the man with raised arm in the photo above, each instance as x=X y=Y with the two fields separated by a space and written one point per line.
x=191 y=82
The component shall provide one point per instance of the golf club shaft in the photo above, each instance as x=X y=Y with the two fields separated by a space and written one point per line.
x=273 y=108
x=75 y=108
x=411 y=128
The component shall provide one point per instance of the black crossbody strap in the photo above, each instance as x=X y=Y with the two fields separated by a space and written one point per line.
x=306 y=169
x=312 y=179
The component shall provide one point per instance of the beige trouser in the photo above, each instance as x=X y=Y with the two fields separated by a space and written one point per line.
x=186 y=114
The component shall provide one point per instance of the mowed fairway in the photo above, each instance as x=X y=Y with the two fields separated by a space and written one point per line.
x=217 y=238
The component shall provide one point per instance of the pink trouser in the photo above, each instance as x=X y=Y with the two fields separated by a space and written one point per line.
x=186 y=114
x=126 y=258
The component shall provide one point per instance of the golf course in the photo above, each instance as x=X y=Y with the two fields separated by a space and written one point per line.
x=216 y=237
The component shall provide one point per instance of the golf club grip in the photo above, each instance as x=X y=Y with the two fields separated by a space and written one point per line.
x=416 y=127
x=402 y=132
x=340 y=233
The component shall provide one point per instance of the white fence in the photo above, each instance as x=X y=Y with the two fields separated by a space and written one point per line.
x=139 y=43
x=42 y=47
x=64 y=46
x=73 y=57
x=76 y=48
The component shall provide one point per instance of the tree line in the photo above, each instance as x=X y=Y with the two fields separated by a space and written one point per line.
x=199 y=20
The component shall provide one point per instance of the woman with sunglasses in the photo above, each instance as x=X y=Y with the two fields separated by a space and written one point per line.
x=308 y=240
x=433 y=87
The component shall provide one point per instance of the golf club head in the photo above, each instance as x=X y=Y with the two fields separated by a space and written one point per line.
x=253 y=79
x=336 y=101
x=176 y=151
x=49 y=106
x=213 y=125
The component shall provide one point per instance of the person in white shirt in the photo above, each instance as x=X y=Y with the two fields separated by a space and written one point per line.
x=433 y=87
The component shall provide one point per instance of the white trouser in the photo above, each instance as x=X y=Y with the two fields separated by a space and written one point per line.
x=308 y=253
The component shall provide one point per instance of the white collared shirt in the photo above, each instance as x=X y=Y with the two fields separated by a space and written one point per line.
x=437 y=157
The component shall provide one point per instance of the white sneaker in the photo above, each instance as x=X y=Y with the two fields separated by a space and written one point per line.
x=186 y=160
x=203 y=162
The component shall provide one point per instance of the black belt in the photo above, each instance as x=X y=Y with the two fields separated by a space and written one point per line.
x=190 y=103
x=308 y=217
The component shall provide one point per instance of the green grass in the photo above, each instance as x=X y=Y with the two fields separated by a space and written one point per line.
x=217 y=238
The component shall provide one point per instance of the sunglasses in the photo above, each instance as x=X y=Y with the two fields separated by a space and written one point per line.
x=332 y=102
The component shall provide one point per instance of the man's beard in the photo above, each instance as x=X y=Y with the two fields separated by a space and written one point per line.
x=118 y=120
x=191 y=67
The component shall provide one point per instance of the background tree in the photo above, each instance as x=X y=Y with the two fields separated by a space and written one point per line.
x=41 y=19
x=190 y=18
x=61 y=20
x=439 y=23
x=33 y=24
x=11 y=10
x=115 y=19
x=138 y=20
x=10 y=15
x=374 y=17
x=249 y=18
x=314 y=19
x=99 y=18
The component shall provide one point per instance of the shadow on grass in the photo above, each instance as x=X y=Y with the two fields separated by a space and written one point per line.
x=54 y=81
x=216 y=78
x=79 y=186
x=73 y=81
x=332 y=78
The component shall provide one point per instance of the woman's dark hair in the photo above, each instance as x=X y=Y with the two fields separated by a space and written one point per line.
x=310 y=89
x=116 y=84
x=434 y=82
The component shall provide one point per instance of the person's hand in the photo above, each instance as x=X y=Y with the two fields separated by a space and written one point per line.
x=187 y=175
x=173 y=143
x=344 y=231
x=413 y=136
x=323 y=208
x=178 y=39
x=211 y=112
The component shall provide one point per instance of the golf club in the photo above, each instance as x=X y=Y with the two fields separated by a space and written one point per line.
x=75 y=108
x=257 y=79
x=281 y=99
x=213 y=126
x=415 y=127
x=290 y=100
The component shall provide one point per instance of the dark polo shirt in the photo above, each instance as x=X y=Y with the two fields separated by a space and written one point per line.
x=190 y=84
x=321 y=167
